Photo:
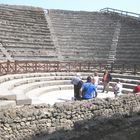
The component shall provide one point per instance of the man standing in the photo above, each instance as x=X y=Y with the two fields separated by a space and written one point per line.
x=87 y=89
x=106 y=79
x=77 y=82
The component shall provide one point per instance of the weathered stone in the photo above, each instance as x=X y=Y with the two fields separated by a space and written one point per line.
x=48 y=114
x=24 y=119
x=49 y=124
x=22 y=124
x=31 y=125
x=18 y=126
x=27 y=123
x=6 y=125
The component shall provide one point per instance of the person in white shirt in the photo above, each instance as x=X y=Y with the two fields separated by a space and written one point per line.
x=95 y=81
x=117 y=88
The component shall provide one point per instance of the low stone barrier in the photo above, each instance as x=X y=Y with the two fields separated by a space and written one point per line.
x=70 y=120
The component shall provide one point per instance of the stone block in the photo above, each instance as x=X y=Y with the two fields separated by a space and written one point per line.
x=22 y=99
x=7 y=104
x=6 y=95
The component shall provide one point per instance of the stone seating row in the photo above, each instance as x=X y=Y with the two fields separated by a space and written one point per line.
x=19 y=79
x=127 y=37
x=26 y=27
x=127 y=48
x=94 y=27
x=9 y=82
x=21 y=13
x=20 y=93
x=21 y=87
x=29 y=75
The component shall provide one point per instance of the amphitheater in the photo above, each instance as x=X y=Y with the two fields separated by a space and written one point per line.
x=42 y=49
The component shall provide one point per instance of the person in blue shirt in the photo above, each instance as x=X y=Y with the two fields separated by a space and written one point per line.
x=87 y=89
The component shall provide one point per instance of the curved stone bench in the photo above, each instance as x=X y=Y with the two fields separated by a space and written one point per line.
x=27 y=87
x=21 y=87
x=36 y=94
x=16 y=83
x=12 y=83
x=40 y=91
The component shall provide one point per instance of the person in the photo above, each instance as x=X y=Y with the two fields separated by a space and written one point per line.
x=87 y=89
x=117 y=88
x=137 y=88
x=95 y=81
x=77 y=82
x=106 y=79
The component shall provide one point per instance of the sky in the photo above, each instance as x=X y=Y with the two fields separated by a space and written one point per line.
x=79 y=5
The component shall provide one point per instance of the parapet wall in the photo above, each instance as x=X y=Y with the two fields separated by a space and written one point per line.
x=94 y=118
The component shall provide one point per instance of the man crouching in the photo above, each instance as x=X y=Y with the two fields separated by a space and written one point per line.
x=87 y=89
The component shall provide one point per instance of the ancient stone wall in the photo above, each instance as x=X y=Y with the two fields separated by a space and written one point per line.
x=96 y=118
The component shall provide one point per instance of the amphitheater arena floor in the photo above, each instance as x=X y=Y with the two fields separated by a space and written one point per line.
x=53 y=97
x=63 y=96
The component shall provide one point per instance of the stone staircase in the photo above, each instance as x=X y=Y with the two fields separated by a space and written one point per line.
x=127 y=50
x=112 y=51
x=5 y=53
x=53 y=35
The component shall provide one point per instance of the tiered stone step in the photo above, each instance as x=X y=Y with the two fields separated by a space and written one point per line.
x=17 y=85
x=83 y=35
x=24 y=88
x=25 y=33
x=7 y=104
x=128 y=49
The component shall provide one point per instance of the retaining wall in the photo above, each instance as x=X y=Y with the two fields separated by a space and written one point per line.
x=92 y=119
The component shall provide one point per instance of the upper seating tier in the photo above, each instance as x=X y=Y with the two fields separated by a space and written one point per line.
x=25 y=27
x=31 y=33
x=88 y=35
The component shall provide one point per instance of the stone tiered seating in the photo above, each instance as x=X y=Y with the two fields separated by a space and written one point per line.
x=25 y=33
x=15 y=87
x=2 y=56
x=25 y=88
x=128 y=49
x=83 y=35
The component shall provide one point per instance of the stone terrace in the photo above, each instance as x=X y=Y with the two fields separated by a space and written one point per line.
x=31 y=33
x=96 y=36
x=128 y=49
x=22 y=89
x=24 y=34
x=83 y=35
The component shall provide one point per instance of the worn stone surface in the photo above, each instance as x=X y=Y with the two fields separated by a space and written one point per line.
x=74 y=119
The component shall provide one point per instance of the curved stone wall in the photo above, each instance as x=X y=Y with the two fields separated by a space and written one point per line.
x=96 y=118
